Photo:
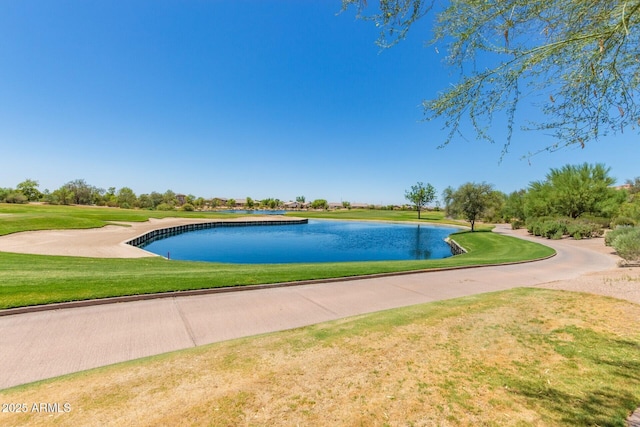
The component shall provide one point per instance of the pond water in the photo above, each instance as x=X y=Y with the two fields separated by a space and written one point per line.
x=317 y=241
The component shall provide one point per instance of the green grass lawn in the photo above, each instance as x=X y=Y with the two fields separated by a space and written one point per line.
x=37 y=279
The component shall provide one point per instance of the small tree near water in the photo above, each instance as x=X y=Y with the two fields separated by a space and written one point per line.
x=469 y=201
x=420 y=195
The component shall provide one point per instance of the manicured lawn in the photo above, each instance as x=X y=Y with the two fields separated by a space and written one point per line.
x=38 y=279
x=519 y=357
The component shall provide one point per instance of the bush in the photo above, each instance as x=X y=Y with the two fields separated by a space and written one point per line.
x=164 y=207
x=623 y=221
x=556 y=228
x=553 y=229
x=188 y=207
x=516 y=224
x=601 y=221
x=16 y=197
x=627 y=244
x=614 y=234
x=583 y=229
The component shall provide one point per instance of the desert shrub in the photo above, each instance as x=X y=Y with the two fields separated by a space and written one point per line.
x=627 y=244
x=614 y=234
x=164 y=207
x=553 y=228
x=16 y=197
x=188 y=207
x=623 y=221
x=600 y=220
x=534 y=225
x=4 y=192
x=556 y=228
x=580 y=229
x=517 y=224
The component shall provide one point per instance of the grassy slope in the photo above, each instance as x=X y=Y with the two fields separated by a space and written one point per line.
x=519 y=357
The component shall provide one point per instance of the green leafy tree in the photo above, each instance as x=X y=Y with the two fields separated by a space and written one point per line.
x=495 y=205
x=199 y=203
x=29 y=188
x=420 y=195
x=145 y=202
x=79 y=192
x=514 y=206
x=319 y=204
x=576 y=59
x=156 y=199
x=469 y=201
x=574 y=190
x=63 y=196
x=250 y=203
x=169 y=197
x=110 y=198
x=127 y=198
x=4 y=192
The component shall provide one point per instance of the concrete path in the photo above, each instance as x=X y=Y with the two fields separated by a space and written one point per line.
x=35 y=346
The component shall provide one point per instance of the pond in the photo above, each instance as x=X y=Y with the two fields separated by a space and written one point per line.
x=317 y=241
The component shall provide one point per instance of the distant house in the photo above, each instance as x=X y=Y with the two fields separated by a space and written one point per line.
x=181 y=198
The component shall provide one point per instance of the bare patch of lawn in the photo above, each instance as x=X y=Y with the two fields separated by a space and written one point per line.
x=519 y=357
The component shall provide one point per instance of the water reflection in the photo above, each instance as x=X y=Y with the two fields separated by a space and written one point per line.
x=419 y=250
x=317 y=241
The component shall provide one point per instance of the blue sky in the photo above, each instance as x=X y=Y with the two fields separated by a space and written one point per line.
x=241 y=98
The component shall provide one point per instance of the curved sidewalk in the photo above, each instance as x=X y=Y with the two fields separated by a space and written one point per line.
x=35 y=346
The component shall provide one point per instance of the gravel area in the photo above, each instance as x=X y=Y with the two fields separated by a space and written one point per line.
x=619 y=282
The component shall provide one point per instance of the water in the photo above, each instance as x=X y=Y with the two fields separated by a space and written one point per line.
x=317 y=241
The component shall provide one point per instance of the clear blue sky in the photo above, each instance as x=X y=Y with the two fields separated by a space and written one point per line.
x=237 y=98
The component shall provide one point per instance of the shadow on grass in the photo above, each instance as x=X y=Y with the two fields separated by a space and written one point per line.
x=597 y=366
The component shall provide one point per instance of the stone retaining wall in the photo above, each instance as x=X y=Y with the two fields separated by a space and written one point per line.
x=456 y=249
x=162 y=233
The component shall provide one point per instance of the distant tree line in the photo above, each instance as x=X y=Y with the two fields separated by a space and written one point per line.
x=79 y=192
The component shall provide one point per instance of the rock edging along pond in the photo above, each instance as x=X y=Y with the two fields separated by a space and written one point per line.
x=161 y=233
x=456 y=249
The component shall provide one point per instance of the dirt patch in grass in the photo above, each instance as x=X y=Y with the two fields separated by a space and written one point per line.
x=520 y=357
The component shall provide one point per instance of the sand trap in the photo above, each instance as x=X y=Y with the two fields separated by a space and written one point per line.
x=105 y=242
